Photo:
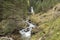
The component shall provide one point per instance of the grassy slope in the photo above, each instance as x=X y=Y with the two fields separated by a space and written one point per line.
x=50 y=26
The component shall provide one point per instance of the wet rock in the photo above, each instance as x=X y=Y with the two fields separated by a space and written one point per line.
x=5 y=38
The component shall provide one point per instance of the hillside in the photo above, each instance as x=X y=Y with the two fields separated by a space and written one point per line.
x=46 y=19
x=49 y=24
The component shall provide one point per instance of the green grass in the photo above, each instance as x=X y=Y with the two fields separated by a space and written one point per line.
x=56 y=33
x=45 y=5
x=53 y=31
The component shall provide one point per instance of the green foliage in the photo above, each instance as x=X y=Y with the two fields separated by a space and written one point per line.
x=7 y=26
x=13 y=7
x=21 y=7
x=43 y=6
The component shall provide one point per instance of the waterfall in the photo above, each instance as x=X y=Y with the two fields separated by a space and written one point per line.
x=32 y=10
x=26 y=33
x=30 y=24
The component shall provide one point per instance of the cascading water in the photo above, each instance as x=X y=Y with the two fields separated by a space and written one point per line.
x=30 y=24
x=26 y=33
x=32 y=11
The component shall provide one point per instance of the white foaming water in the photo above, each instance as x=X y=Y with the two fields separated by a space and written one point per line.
x=30 y=24
x=32 y=11
x=26 y=33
